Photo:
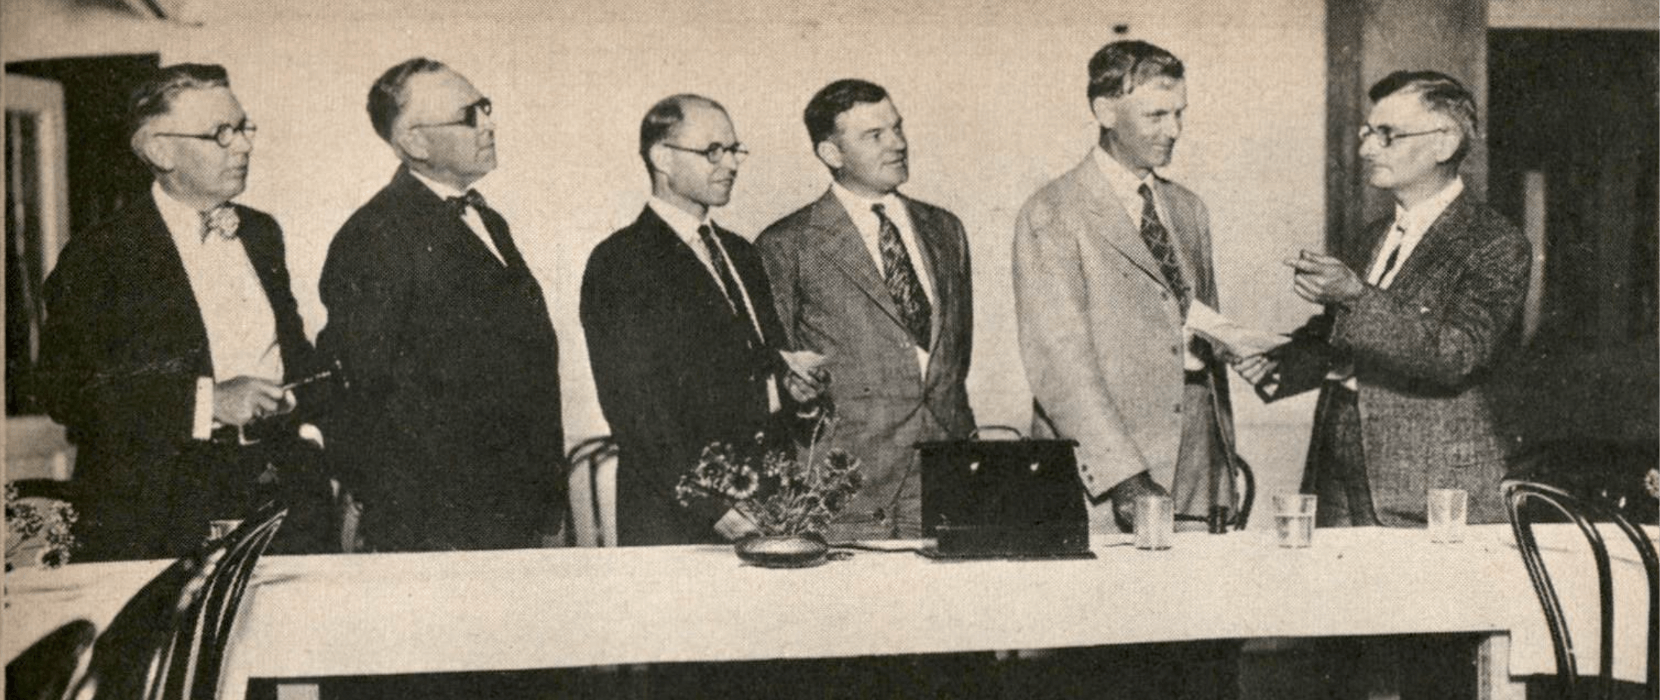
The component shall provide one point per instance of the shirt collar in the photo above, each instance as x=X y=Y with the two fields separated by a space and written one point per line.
x=684 y=224
x=855 y=202
x=444 y=191
x=183 y=221
x=1417 y=220
x=1123 y=182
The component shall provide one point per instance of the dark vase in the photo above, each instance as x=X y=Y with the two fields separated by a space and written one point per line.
x=783 y=551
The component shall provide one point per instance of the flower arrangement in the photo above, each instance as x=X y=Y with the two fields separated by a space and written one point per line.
x=38 y=528
x=767 y=485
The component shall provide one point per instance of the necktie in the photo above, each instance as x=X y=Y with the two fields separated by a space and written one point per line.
x=498 y=233
x=902 y=282
x=734 y=293
x=221 y=221
x=1397 y=236
x=1157 y=238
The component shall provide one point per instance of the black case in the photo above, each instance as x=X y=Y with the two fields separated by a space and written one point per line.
x=1003 y=498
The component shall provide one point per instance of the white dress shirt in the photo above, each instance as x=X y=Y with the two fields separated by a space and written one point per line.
x=468 y=214
x=241 y=326
x=685 y=226
x=870 y=229
x=1127 y=187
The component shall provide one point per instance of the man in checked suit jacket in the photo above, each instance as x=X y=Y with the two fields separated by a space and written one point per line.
x=451 y=429
x=170 y=332
x=1104 y=278
x=1407 y=350
x=680 y=327
x=878 y=283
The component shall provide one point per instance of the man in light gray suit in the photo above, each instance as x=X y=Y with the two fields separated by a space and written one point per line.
x=1108 y=260
x=879 y=284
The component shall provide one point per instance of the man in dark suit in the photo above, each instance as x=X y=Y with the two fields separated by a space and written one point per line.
x=1408 y=349
x=879 y=284
x=1404 y=353
x=680 y=325
x=450 y=435
x=170 y=333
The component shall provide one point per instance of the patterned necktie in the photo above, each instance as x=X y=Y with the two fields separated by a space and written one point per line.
x=734 y=293
x=498 y=235
x=902 y=282
x=221 y=221
x=1158 y=241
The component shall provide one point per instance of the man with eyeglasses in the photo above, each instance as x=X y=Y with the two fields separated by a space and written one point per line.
x=450 y=435
x=172 y=338
x=681 y=329
x=879 y=282
x=1407 y=347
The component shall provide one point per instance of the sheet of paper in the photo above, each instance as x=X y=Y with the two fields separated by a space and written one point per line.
x=1228 y=335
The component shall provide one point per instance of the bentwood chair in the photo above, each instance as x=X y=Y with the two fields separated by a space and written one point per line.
x=49 y=667
x=593 y=492
x=1584 y=513
x=168 y=641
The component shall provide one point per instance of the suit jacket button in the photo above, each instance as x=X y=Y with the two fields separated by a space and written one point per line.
x=880 y=515
x=1178 y=408
x=1175 y=349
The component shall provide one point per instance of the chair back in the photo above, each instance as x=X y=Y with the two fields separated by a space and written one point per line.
x=168 y=641
x=593 y=492
x=1584 y=513
x=50 y=666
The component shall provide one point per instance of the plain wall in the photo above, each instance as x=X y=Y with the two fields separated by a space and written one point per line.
x=993 y=100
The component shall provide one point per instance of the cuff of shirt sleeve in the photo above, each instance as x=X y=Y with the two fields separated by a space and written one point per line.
x=201 y=425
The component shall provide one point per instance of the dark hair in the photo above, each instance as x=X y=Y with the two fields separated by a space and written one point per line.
x=1440 y=93
x=662 y=119
x=1121 y=66
x=154 y=96
x=386 y=96
x=833 y=100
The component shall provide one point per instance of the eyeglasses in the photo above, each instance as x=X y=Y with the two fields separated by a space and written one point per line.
x=714 y=151
x=469 y=118
x=224 y=134
x=1387 y=136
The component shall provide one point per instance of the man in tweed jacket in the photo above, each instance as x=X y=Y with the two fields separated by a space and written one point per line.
x=1421 y=313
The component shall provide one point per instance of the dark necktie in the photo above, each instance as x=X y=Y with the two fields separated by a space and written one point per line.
x=1158 y=241
x=1394 y=256
x=903 y=283
x=734 y=293
x=498 y=234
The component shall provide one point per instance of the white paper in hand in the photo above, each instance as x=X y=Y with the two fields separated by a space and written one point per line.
x=1228 y=336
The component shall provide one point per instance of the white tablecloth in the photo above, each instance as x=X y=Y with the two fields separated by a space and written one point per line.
x=435 y=612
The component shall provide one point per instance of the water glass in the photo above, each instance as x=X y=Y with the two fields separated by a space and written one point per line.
x=1155 y=520
x=1447 y=510
x=1294 y=519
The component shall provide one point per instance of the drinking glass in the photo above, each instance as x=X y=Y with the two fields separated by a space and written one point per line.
x=1447 y=510
x=1155 y=520
x=1294 y=519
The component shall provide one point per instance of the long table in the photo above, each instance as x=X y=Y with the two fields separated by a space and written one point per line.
x=318 y=616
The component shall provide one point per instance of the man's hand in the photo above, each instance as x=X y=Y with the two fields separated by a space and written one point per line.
x=1255 y=368
x=807 y=378
x=735 y=526
x=1323 y=279
x=243 y=399
x=1125 y=494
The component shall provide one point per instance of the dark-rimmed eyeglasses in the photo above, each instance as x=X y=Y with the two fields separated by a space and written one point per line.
x=1387 y=136
x=470 y=118
x=714 y=151
x=224 y=134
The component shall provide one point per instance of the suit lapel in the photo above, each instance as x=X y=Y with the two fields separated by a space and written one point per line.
x=1111 y=219
x=1439 y=241
x=934 y=242
x=172 y=283
x=845 y=248
x=426 y=206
